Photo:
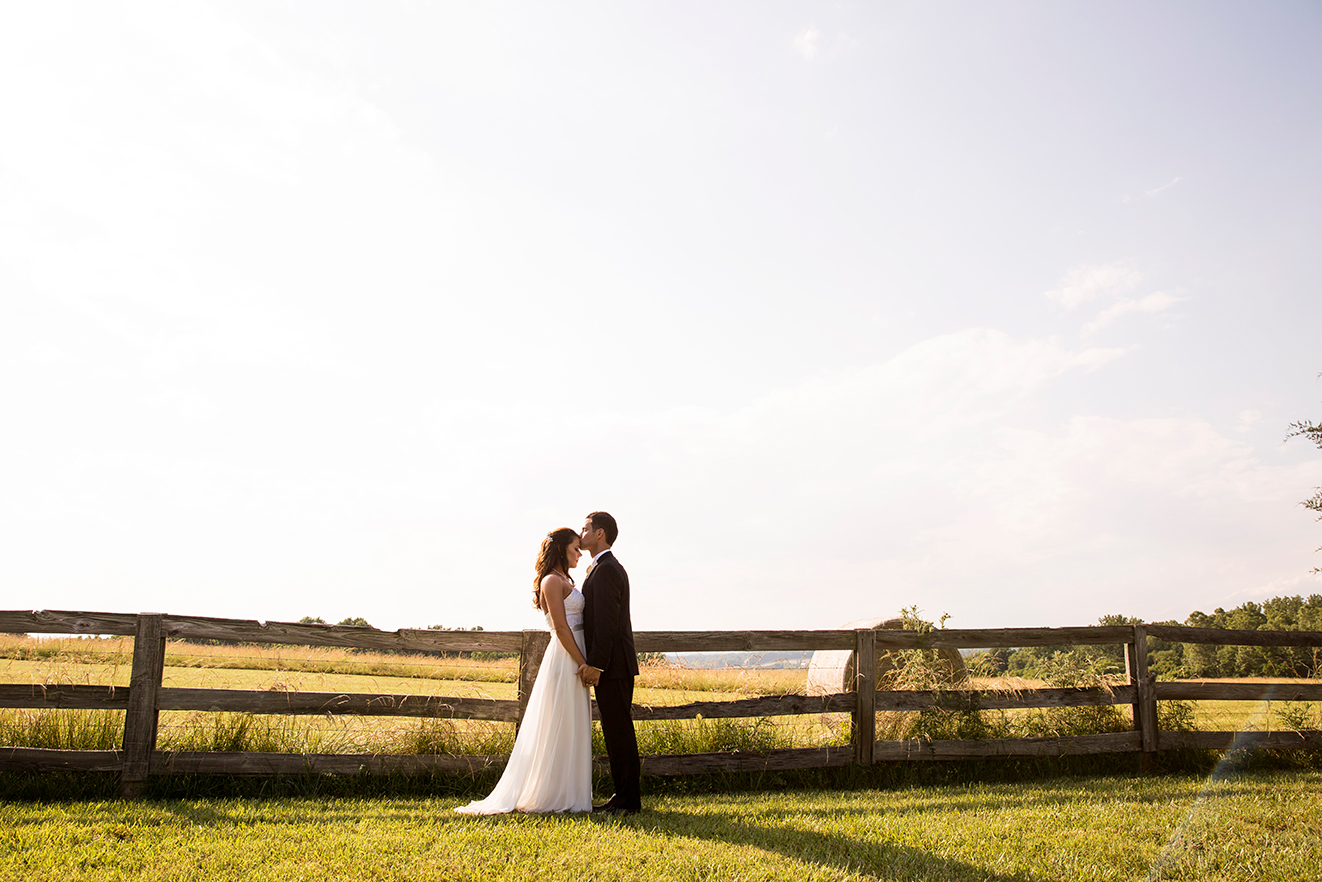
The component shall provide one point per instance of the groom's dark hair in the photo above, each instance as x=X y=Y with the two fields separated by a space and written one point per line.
x=602 y=521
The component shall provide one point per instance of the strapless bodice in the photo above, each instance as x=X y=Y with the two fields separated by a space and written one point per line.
x=574 y=604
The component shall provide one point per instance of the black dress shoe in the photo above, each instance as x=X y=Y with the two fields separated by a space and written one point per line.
x=608 y=804
x=616 y=811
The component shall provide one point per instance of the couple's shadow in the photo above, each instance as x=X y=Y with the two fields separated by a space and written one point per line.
x=866 y=857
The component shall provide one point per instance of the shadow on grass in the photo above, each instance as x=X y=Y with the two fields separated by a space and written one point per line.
x=846 y=854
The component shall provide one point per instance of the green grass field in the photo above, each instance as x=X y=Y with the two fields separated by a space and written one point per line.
x=1254 y=825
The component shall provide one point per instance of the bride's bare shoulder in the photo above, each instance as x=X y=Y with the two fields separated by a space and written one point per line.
x=556 y=585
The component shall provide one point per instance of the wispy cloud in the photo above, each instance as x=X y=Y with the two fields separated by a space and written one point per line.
x=1156 y=302
x=1148 y=194
x=807 y=43
x=1084 y=283
x=1151 y=193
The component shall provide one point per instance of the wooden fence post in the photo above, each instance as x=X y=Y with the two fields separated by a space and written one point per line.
x=864 y=729
x=530 y=659
x=1145 y=692
x=141 y=717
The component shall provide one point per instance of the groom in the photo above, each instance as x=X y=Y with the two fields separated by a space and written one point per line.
x=612 y=662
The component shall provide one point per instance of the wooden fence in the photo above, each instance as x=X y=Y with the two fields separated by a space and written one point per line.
x=145 y=696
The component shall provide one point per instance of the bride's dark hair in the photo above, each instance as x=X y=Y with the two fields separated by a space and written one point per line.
x=553 y=558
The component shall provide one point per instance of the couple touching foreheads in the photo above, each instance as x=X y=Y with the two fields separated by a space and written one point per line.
x=550 y=768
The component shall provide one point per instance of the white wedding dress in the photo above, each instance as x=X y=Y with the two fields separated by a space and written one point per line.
x=550 y=769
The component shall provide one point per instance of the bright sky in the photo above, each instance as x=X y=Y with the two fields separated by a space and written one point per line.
x=1001 y=310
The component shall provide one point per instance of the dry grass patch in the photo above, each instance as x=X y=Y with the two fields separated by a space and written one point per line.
x=722 y=682
x=116 y=652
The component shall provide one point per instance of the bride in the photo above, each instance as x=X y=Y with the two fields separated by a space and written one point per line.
x=550 y=769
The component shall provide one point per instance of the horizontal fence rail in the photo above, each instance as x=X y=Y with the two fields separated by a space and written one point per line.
x=79 y=697
x=146 y=696
x=1233 y=637
x=973 y=699
x=1240 y=691
x=251 y=631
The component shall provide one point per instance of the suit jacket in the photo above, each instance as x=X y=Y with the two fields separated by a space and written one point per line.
x=607 y=627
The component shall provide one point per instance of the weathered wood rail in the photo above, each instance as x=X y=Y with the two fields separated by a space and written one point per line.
x=145 y=697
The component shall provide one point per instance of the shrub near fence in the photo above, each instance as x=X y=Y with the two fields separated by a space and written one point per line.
x=146 y=697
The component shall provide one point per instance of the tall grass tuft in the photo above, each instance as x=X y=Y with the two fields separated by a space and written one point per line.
x=239 y=733
x=1176 y=716
x=1298 y=716
x=458 y=738
x=925 y=669
x=60 y=729
x=707 y=736
x=1075 y=669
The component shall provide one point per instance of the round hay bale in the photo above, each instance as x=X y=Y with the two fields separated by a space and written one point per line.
x=831 y=671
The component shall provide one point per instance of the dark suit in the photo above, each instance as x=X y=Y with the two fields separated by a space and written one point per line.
x=608 y=633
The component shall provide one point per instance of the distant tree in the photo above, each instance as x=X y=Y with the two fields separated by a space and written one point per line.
x=1277 y=614
x=1119 y=620
x=1165 y=659
x=356 y=622
x=1024 y=662
x=312 y=620
x=1036 y=661
x=1175 y=660
x=1113 y=652
x=989 y=662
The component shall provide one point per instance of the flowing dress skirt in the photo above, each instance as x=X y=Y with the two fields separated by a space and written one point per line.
x=550 y=768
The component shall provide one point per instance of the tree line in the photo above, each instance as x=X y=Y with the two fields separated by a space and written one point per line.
x=1189 y=660
x=360 y=622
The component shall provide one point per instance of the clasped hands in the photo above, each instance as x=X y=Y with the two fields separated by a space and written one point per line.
x=588 y=674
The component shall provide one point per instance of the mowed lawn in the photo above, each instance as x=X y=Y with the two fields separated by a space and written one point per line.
x=1261 y=825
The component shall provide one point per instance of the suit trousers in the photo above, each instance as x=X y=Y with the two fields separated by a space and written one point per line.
x=615 y=706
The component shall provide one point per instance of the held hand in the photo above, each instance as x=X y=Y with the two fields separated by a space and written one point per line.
x=588 y=674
